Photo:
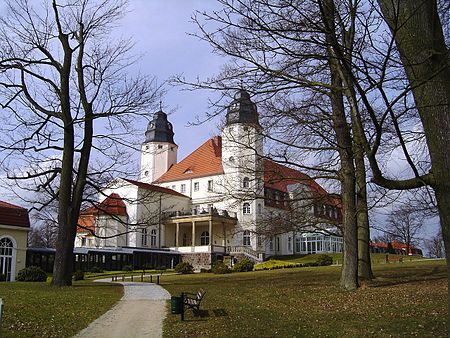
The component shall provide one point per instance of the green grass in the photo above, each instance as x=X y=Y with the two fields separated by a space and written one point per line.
x=405 y=300
x=337 y=259
x=39 y=310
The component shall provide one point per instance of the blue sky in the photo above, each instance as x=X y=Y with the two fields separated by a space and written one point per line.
x=160 y=30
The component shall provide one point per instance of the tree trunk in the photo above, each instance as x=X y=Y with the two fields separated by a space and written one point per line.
x=420 y=41
x=63 y=265
x=364 y=263
x=349 y=274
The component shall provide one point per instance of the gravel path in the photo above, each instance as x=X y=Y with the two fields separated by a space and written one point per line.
x=140 y=313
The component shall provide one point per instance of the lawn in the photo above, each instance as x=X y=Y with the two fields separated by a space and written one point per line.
x=39 y=310
x=376 y=258
x=407 y=299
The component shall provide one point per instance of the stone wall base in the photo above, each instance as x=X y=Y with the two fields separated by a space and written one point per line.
x=199 y=261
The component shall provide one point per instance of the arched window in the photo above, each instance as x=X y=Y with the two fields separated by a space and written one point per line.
x=246 y=209
x=246 y=182
x=204 y=238
x=144 y=237
x=246 y=237
x=6 y=258
x=153 y=238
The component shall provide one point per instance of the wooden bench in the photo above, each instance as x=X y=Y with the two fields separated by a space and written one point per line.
x=194 y=302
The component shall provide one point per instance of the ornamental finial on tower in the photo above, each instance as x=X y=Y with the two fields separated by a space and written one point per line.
x=159 y=129
x=242 y=109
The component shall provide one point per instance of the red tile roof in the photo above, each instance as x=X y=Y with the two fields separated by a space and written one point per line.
x=87 y=221
x=206 y=160
x=111 y=205
x=279 y=177
x=156 y=188
x=14 y=215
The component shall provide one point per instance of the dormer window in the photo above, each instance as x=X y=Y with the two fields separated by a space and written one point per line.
x=160 y=146
x=246 y=182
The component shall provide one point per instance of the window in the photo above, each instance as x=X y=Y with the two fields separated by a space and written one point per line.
x=144 y=237
x=146 y=173
x=278 y=244
x=210 y=185
x=173 y=187
x=246 y=238
x=153 y=238
x=258 y=240
x=6 y=258
x=183 y=188
x=271 y=243
x=146 y=147
x=246 y=209
x=246 y=182
x=196 y=186
x=297 y=244
x=259 y=208
x=160 y=146
x=289 y=243
x=83 y=241
x=204 y=238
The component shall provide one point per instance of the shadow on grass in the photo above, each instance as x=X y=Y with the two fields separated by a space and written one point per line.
x=436 y=273
x=202 y=315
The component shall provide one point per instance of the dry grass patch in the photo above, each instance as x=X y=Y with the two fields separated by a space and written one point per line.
x=39 y=310
x=405 y=300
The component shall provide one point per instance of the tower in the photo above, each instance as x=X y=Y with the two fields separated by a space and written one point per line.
x=159 y=151
x=242 y=151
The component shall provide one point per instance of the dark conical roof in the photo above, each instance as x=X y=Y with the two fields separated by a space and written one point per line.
x=159 y=129
x=242 y=109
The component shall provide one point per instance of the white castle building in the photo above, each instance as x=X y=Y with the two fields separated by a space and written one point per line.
x=225 y=199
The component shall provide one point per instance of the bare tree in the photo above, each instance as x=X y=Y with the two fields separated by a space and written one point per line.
x=405 y=224
x=281 y=50
x=66 y=97
x=43 y=235
x=435 y=246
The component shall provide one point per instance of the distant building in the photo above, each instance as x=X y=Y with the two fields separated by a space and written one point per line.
x=223 y=199
x=397 y=247
x=14 y=227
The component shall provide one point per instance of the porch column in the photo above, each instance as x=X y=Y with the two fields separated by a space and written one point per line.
x=177 y=235
x=211 y=233
x=193 y=233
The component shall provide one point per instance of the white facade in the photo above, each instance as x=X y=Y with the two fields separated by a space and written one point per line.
x=195 y=194
x=156 y=159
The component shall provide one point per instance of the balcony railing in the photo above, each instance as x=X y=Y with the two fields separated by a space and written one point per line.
x=200 y=249
x=197 y=212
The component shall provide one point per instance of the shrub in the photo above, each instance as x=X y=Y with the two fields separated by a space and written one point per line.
x=96 y=269
x=220 y=268
x=32 y=274
x=127 y=268
x=161 y=268
x=78 y=275
x=311 y=264
x=323 y=260
x=202 y=270
x=184 y=268
x=244 y=265
x=2 y=277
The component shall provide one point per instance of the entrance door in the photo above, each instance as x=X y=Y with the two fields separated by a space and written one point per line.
x=6 y=258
